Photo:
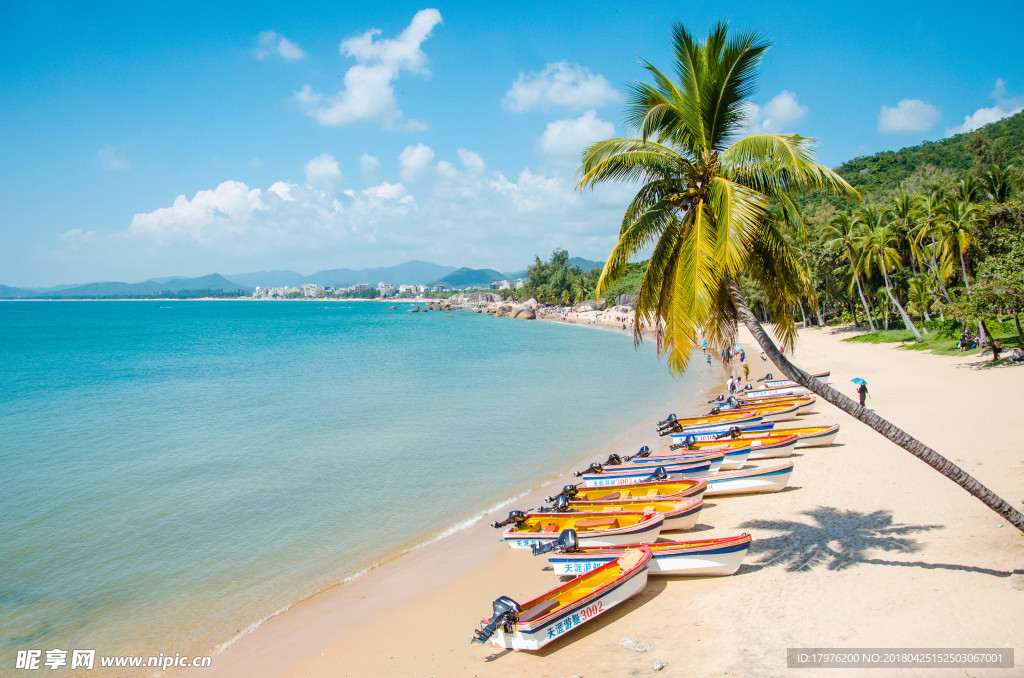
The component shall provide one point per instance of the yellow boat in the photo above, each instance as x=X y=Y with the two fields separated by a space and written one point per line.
x=679 y=515
x=661 y=490
x=593 y=528
x=532 y=625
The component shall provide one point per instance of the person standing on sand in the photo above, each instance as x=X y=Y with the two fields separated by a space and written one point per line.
x=764 y=357
x=862 y=391
x=746 y=371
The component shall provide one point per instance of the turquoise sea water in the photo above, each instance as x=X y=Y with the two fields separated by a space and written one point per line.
x=171 y=472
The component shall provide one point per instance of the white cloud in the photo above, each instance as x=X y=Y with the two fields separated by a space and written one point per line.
x=270 y=43
x=323 y=172
x=445 y=210
x=368 y=93
x=76 y=236
x=559 y=84
x=414 y=162
x=112 y=158
x=369 y=167
x=909 y=115
x=565 y=139
x=1004 y=108
x=779 y=114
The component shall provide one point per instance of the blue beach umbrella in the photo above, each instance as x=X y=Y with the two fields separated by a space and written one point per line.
x=737 y=347
x=859 y=381
x=703 y=344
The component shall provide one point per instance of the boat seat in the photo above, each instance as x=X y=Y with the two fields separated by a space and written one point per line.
x=553 y=527
x=608 y=497
x=538 y=610
x=595 y=523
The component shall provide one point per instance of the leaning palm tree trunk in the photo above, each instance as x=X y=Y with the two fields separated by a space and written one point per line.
x=882 y=426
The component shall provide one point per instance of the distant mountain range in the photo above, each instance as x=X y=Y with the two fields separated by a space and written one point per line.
x=410 y=273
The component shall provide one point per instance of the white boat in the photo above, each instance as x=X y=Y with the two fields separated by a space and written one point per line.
x=533 y=625
x=700 y=558
x=750 y=481
x=823 y=377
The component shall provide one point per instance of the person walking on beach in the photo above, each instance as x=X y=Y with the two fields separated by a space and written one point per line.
x=862 y=391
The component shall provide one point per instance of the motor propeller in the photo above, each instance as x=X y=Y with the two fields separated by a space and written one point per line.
x=505 y=614
x=567 y=542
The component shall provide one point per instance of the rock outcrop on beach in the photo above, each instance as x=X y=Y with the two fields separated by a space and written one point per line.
x=591 y=305
x=626 y=300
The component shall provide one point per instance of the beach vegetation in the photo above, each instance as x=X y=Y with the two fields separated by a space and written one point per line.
x=720 y=215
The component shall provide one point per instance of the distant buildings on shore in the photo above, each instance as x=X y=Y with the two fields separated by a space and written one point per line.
x=383 y=290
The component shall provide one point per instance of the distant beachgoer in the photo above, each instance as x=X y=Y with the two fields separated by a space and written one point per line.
x=732 y=386
x=862 y=390
x=709 y=361
x=763 y=356
x=746 y=371
x=743 y=356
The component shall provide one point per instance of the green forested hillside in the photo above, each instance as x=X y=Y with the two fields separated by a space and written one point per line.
x=1001 y=142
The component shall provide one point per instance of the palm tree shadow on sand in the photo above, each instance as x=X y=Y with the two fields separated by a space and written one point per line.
x=839 y=540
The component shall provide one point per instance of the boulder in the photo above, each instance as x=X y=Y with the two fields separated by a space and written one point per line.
x=602 y=304
x=524 y=312
x=626 y=300
x=588 y=305
x=482 y=297
x=532 y=303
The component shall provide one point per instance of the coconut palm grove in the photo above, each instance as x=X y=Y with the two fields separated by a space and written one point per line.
x=739 y=224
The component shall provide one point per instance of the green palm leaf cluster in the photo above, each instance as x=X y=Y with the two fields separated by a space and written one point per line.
x=705 y=195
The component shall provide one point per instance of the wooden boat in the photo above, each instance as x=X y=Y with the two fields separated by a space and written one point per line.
x=802 y=401
x=679 y=515
x=697 y=460
x=823 y=377
x=731 y=417
x=592 y=527
x=667 y=490
x=722 y=428
x=536 y=623
x=735 y=455
x=806 y=436
x=699 y=558
x=767 y=445
x=750 y=481
x=772 y=392
x=645 y=474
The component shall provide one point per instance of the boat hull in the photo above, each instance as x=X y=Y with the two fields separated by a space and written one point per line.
x=618 y=478
x=683 y=517
x=823 y=377
x=708 y=558
x=643 y=532
x=750 y=481
x=535 y=635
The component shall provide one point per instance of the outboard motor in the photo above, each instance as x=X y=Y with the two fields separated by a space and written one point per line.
x=685 y=444
x=715 y=410
x=567 y=542
x=668 y=420
x=642 y=453
x=569 y=491
x=733 y=432
x=659 y=474
x=593 y=468
x=766 y=377
x=613 y=460
x=672 y=429
x=748 y=387
x=733 y=402
x=504 y=615
x=517 y=517
x=717 y=400
x=560 y=505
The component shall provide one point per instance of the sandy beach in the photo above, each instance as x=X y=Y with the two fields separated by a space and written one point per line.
x=867 y=547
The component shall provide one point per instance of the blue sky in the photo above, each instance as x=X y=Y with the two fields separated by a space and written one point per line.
x=190 y=138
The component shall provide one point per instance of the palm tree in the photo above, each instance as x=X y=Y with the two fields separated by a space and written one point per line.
x=903 y=213
x=842 y=233
x=928 y=225
x=958 y=219
x=921 y=296
x=581 y=288
x=701 y=209
x=967 y=188
x=995 y=180
x=879 y=243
